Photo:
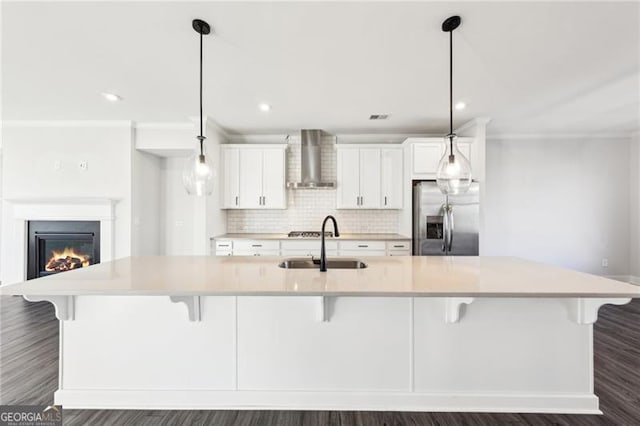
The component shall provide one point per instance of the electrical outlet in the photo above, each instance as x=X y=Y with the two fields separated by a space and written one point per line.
x=57 y=165
x=605 y=263
x=179 y=223
x=83 y=166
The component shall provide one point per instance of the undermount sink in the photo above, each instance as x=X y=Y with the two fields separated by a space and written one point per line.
x=306 y=263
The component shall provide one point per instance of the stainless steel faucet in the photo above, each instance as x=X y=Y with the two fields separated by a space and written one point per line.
x=323 y=252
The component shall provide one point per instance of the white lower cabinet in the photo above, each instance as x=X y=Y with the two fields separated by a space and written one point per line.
x=256 y=248
x=307 y=248
x=362 y=248
x=304 y=248
x=399 y=248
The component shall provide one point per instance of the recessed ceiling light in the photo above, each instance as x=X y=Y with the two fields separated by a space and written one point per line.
x=264 y=107
x=461 y=106
x=111 y=97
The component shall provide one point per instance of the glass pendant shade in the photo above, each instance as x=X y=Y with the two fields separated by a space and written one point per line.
x=454 y=170
x=198 y=176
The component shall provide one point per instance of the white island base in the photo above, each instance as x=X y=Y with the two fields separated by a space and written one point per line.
x=328 y=353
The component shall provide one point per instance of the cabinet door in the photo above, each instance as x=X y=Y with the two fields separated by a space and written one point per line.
x=465 y=149
x=250 y=178
x=230 y=178
x=273 y=179
x=348 y=178
x=391 y=181
x=426 y=157
x=370 y=178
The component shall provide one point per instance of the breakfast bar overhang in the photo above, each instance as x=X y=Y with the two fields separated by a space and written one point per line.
x=405 y=333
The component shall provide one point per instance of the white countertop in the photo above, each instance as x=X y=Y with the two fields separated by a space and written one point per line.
x=383 y=237
x=385 y=276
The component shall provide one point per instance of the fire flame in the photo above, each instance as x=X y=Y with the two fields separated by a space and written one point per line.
x=66 y=260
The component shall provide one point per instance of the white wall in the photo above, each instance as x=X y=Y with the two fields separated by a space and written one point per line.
x=563 y=202
x=30 y=153
x=146 y=204
x=634 y=211
x=187 y=222
x=178 y=209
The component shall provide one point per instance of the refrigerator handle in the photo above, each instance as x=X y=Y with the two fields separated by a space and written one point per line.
x=445 y=227
x=450 y=226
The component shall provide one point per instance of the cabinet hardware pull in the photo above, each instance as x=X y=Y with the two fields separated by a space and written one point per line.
x=399 y=246
x=223 y=245
x=236 y=200
x=363 y=245
x=256 y=245
x=385 y=200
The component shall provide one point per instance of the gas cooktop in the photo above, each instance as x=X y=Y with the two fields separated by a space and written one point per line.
x=309 y=234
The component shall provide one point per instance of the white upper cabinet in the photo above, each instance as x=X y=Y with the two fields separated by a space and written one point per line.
x=348 y=195
x=392 y=174
x=273 y=178
x=426 y=157
x=369 y=178
x=253 y=176
x=230 y=165
x=427 y=152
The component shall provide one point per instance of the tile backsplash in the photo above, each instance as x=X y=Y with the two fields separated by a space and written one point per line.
x=306 y=208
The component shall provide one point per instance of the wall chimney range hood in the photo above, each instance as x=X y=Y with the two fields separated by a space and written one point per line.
x=310 y=165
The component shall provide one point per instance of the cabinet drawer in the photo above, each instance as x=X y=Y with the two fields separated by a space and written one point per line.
x=256 y=252
x=306 y=253
x=224 y=245
x=307 y=245
x=398 y=245
x=362 y=245
x=256 y=245
x=399 y=252
x=362 y=253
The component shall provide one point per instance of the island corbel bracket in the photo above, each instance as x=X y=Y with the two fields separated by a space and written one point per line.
x=453 y=308
x=193 y=304
x=585 y=310
x=323 y=308
x=65 y=306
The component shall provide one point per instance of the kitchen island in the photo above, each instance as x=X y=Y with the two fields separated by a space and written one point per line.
x=406 y=333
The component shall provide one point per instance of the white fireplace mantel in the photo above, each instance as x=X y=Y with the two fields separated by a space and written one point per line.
x=17 y=212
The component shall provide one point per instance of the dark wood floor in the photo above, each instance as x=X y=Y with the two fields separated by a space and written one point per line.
x=29 y=370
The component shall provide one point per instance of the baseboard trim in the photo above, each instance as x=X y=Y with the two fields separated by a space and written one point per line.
x=332 y=401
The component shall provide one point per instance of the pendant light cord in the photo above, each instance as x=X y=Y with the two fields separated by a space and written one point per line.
x=451 y=92
x=201 y=138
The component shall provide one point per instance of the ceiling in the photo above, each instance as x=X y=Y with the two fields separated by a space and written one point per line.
x=533 y=67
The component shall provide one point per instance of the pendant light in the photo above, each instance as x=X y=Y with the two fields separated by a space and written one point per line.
x=454 y=170
x=197 y=175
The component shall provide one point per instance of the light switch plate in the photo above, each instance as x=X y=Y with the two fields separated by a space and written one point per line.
x=83 y=165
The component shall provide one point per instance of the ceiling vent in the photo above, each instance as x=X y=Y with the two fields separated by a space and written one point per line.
x=378 y=116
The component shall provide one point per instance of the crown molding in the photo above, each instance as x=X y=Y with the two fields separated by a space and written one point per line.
x=66 y=123
x=381 y=138
x=478 y=121
x=569 y=136
x=258 y=139
x=164 y=126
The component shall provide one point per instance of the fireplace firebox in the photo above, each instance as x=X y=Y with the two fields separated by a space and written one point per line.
x=56 y=246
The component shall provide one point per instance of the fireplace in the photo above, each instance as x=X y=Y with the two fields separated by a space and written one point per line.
x=55 y=246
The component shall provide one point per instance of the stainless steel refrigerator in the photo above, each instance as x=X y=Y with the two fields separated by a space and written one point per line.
x=445 y=225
